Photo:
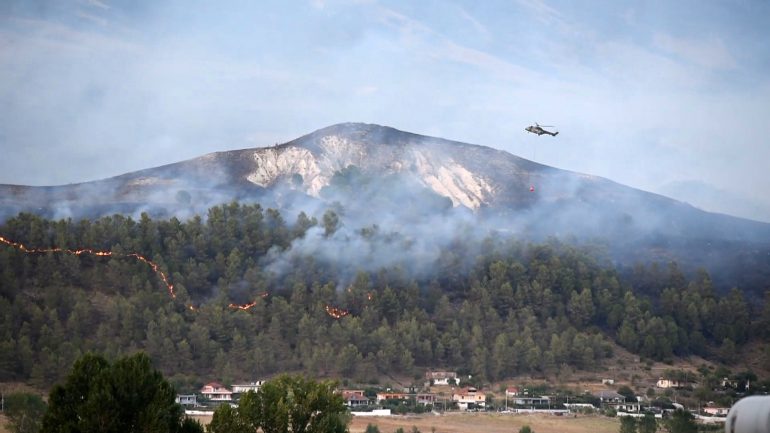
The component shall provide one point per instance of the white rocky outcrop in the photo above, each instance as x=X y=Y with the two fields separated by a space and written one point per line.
x=438 y=172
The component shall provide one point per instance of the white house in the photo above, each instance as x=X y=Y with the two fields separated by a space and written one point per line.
x=187 y=399
x=216 y=392
x=470 y=395
x=441 y=377
x=532 y=401
x=242 y=388
x=669 y=383
x=609 y=397
x=716 y=411
x=354 y=397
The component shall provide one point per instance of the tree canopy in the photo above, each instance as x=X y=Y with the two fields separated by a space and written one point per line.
x=494 y=307
x=128 y=395
x=287 y=403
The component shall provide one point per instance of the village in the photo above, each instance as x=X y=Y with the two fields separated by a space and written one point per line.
x=446 y=391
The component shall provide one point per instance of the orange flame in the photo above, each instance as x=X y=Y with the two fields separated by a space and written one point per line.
x=243 y=306
x=149 y=262
x=336 y=313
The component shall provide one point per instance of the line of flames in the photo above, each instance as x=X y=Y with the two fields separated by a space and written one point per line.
x=248 y=305
x=334 y=312
x=150 y=263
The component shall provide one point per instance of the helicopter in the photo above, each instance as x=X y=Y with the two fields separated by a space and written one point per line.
x=538 y=129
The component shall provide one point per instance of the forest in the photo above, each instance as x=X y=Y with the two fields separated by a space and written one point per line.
x=197 y=297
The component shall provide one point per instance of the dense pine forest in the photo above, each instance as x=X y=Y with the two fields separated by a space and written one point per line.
x=493 y=308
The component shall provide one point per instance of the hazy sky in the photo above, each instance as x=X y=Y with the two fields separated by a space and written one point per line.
x=666 y=96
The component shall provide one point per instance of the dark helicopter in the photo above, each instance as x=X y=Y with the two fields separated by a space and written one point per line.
x=538 y=129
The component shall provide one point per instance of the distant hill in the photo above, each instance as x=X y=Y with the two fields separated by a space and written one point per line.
x=380 y=175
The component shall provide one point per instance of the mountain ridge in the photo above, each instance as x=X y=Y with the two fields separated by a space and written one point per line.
x=374 y=172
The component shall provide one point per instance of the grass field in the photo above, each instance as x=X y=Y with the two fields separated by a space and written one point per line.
x=483 y=423
x=488 y=423
x=4 y=428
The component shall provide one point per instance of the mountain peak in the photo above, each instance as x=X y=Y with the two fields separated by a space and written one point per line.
x=312 y=160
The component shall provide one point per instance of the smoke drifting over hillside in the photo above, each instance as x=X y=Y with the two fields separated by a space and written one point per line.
x=401 y=200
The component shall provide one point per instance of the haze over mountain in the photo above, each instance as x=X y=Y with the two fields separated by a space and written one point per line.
x=426 y=189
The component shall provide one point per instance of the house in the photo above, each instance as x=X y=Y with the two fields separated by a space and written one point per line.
x=441 y=377
x=532 y=401
x=467 y=396
x=383 y=396
x=187 y=399
x=669 y=383
x=216 y=392
x=608 y=397
x=242 y=388
x=631 y=405
x=425 y=399
x=511 y=391
x=608 y=381
x=354 y=397
x=714 y=410
x=727 y=383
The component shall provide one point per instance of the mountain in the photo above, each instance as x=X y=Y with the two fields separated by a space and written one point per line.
x=379 y=175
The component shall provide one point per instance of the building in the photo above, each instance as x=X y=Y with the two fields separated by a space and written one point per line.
x=609 y=398
x=242 y=388
x=714 y=410
x=632 y=405
x=532 y=401
x=187 y=399
x=426 y=399
x=469 y=396
x=384 y=396
x=354 y=397
x=216 y=392
x=669 y=383
x=441 y=377
x=512 y=391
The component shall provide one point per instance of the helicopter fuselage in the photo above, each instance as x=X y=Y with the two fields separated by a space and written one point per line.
x=539 y=131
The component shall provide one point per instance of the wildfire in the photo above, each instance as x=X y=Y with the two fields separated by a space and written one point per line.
x=21 y=247
x=243 y=306
x=336 y=313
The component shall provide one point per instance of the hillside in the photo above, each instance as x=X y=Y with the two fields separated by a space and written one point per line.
x=425 y=188
x=247 y=294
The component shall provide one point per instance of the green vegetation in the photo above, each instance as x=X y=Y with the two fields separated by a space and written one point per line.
x=490 y=309
x=290 y=404
x=125 y=396
x=24 y=411
x=627 y=424
x=681 y=422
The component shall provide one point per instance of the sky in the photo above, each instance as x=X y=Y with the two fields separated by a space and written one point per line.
x=668 y=97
